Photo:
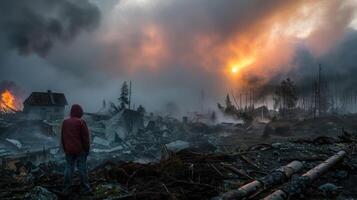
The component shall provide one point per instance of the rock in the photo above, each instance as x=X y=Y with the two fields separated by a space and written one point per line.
x=329 y=189
x=276 y=145
x=323 y=140
x=177 y=145
x=40 y=193
x=341 y=174
x=102 y=190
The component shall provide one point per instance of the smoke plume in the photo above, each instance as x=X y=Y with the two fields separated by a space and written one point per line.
x=35 y=26
x=174 y=49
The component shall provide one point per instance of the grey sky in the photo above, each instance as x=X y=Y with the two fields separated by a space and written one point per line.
x=171 y=49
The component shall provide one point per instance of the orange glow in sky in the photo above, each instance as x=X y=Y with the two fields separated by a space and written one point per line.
x=256 y=50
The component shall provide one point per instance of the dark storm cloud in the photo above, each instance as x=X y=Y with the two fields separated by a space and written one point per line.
x=209 y=34
x=170 y=49
x=338 y=66
x=35 y=26
x=7 y=85
x=179 y=25
x=196 y=38
x=338 y=69
x=55 y=35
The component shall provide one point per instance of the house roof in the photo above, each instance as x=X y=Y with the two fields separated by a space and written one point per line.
x=46 y=99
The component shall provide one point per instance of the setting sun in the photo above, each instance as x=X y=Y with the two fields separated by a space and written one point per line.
x=238 y=65
x=234 y=69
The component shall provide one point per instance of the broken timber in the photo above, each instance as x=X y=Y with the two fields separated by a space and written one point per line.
x=298 y=185
x=276 y=177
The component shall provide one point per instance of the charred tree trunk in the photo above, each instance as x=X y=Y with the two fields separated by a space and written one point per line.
x=276 y=177
x=301 y=183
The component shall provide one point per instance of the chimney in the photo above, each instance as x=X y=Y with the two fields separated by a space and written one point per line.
x=51 y=97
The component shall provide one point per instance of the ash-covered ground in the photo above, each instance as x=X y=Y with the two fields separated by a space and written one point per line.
x=144 y=156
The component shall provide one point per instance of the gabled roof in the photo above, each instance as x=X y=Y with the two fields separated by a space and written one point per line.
x=46 y=99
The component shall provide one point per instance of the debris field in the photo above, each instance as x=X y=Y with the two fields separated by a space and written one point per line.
x=192 y=174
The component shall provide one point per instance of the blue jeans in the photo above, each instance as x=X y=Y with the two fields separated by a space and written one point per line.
x=81 y=161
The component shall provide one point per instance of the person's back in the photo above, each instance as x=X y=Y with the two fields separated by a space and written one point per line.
x=75 y=143
x=75 y=137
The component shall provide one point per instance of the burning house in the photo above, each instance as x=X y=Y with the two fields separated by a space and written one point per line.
x=45 y=106
x=8 y=102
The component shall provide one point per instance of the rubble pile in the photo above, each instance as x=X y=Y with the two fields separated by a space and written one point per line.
x=129 y=136
x=185 y=174
x=145 y=157
x=193 y=174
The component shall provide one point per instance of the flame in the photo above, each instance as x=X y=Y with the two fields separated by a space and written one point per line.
x=8 y=102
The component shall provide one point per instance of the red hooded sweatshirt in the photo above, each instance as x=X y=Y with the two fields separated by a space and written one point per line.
x=75 y=134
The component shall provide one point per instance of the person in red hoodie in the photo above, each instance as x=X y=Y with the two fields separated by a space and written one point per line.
x=75 y=143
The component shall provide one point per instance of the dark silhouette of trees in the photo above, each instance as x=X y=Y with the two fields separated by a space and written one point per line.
x=230 y=109
x=286 y=95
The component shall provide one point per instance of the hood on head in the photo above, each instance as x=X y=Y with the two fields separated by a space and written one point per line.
x=76 y=111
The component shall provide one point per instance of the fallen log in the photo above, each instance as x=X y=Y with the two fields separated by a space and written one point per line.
x=276 y=177
x=298 y=185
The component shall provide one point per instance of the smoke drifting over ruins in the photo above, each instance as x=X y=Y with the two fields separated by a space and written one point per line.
x=178 y=99
x=169 y=48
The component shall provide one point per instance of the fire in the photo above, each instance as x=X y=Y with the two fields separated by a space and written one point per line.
x=8 y=102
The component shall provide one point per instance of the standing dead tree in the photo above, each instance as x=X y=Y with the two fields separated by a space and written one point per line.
x=285 y=97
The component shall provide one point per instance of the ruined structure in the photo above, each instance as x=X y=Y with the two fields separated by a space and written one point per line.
x=45 y=106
